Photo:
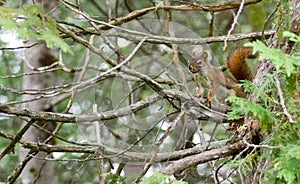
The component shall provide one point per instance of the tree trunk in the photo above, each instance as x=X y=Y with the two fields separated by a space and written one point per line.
x=38 y=170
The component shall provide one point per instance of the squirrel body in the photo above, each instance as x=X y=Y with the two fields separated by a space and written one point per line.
x=236 y=64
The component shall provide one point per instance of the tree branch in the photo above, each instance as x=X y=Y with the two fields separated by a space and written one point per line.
x=50 y=116
x=138 y=36
x=138 y=13
x=203 y=157
x=217 y=150
x=71 y=118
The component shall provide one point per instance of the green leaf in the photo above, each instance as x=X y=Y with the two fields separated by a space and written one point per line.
x=114 y=178
x=32 y=9
x=9 y=24
x=53 y=40
x=8 y=12
x=240 y=107
x=161 y=178
x=293 y=37
x=287 y=164
x=30 y=22
x=280 y=60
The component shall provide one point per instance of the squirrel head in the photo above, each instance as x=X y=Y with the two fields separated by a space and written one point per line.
x=197 y=62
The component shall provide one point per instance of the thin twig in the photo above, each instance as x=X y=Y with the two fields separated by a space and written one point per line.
x=231 y=4
x=99 y=141
x=81 y=75
x=92 y=23
x=234 y=23
x=260 y=146
x=171 y=33
x=50 y=116
x=193 y=160
x=127 y=155
x=211 y=24
x=16 y=138
x=157 y=39
x=282 y=103
x=18 y=170
x=21 y=47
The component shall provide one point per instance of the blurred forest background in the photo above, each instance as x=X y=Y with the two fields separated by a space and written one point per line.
x=100 y=92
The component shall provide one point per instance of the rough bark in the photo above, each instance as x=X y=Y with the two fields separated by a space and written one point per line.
x=38 y=170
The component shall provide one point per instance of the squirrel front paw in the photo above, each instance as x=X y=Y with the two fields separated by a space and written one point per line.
x=198 y=92
x=208 y=101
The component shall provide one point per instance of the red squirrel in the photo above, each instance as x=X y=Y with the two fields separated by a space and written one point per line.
x=236 y=64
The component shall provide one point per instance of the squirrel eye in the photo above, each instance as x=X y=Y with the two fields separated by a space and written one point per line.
x=199 y=62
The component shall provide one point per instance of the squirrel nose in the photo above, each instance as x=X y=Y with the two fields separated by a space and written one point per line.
x=193 y=70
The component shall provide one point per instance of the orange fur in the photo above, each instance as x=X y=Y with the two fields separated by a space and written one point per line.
x=237 y=63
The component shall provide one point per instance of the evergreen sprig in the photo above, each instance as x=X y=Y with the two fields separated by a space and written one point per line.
x=30 y=22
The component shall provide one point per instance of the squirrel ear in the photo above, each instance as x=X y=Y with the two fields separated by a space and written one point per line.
x=204 y=55
x=194 y=53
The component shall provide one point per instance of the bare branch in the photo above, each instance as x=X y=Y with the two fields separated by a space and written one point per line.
x=281 y=98
x=16 y=139
x=234 y=22
x=203 y=157
x=138 y=13
x=50 y=116
x=137 y=36
x=21 y=47
x=132 y=156
x=128 y=156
